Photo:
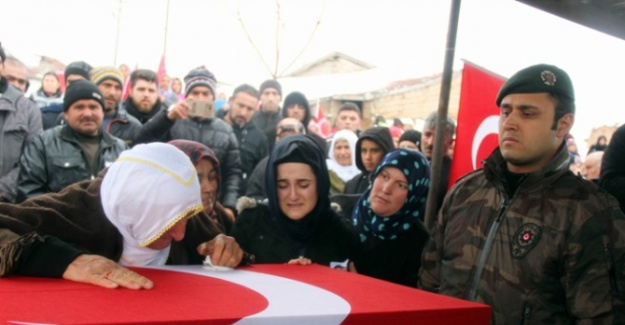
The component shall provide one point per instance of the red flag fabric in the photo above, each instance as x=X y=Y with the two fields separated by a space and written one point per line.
x=126 y=90
x=478 y=119
x=161 y=69
x=324 y=126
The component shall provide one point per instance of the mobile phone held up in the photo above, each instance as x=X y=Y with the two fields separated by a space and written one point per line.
x=201 y=108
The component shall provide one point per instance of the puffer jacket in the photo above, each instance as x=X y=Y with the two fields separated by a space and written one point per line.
x=55 y=160
x=213 y=133
x=20 y=123
x=551 y=253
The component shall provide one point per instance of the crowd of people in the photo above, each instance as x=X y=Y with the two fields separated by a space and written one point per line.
x=83 y=171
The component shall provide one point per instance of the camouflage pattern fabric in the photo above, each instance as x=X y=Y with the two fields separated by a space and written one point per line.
x=553 y=253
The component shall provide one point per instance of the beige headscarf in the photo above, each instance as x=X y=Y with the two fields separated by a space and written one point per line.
x=146 y=192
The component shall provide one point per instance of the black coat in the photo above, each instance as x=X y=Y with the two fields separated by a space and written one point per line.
x=213 y=133
x=256 y=232
x=252 y=148
x=396 y=260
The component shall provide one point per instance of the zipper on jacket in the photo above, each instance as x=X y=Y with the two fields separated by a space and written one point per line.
x=486 y=249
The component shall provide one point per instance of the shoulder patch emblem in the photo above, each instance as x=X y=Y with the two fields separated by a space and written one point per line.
x=525 y=238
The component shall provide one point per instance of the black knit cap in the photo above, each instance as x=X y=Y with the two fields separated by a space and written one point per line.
x=80 y=68
x=540 y=78
x=81 y=89
x=270 y=83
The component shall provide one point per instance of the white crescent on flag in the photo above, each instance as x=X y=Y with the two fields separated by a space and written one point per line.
x=300 y=301
x=488 y=126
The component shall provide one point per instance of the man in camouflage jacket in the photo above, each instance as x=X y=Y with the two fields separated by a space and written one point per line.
x=524 y=235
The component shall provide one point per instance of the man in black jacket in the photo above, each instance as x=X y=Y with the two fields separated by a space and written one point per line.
x=69 y=153
x=116 y=120
x=252 y=141
x=175 y=123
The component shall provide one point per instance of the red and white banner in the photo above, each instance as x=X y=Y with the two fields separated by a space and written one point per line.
x=478 y=119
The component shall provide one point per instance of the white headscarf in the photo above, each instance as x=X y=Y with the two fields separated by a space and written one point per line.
x=146 y=192
x=344 y=172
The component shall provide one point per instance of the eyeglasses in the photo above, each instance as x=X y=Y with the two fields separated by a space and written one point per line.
x=290 y=128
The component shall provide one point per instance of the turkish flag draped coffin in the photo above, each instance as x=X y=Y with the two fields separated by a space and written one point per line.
x=478 y=118
x=261 y=294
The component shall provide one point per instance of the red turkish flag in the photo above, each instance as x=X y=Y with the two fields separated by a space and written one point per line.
x=478 y=119
x=161 y=69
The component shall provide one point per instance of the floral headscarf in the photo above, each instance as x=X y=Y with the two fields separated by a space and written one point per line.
x=144 y=194
x=417 y=171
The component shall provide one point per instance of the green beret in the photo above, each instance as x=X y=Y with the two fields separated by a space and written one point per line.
x=540 y=78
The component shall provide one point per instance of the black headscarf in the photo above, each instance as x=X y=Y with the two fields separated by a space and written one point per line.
x=300 y=149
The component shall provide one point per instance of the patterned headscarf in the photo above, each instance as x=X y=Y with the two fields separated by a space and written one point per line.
x=144 y=194
x=417 y=171
x=301 y=149
x=196 y=152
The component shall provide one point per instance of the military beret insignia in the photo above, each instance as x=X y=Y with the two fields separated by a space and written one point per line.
x=548 y=78
x=525 y=238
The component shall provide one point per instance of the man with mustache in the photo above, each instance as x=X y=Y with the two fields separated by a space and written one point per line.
x=523 y=234
x=253 y=146
x=427 y=148
x=116 y=120
x=69 y=153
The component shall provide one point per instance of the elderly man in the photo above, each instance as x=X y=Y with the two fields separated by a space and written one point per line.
x=524 y=235
x=256 y=182
x=131 y=222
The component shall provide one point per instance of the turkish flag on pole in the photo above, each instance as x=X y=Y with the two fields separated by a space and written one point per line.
x=478 y=120
x=324 y=127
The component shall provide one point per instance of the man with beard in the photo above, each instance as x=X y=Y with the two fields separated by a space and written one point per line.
x=427 y=147
x=252 y=141
x=143 y=101
x=69 y=153
x=116 y=120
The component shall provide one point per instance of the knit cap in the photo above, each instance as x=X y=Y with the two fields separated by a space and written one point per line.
x=270 y=83
x=79 y=67
x=102 y=73
x=199 y=77
x=81 y=89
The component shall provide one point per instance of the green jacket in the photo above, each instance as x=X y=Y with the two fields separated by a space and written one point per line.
x=553 y=253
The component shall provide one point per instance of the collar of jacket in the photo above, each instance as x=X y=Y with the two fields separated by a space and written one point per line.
x=66 y=134
x=11 y=94
x=494 y=169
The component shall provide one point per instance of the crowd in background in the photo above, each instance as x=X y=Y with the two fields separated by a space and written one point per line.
x=257 y=184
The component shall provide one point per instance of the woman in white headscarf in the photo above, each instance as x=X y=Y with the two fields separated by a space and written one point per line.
x=342 y=160
x=131 y=215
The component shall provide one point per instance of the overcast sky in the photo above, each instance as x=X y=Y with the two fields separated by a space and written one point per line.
x=405 y=38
